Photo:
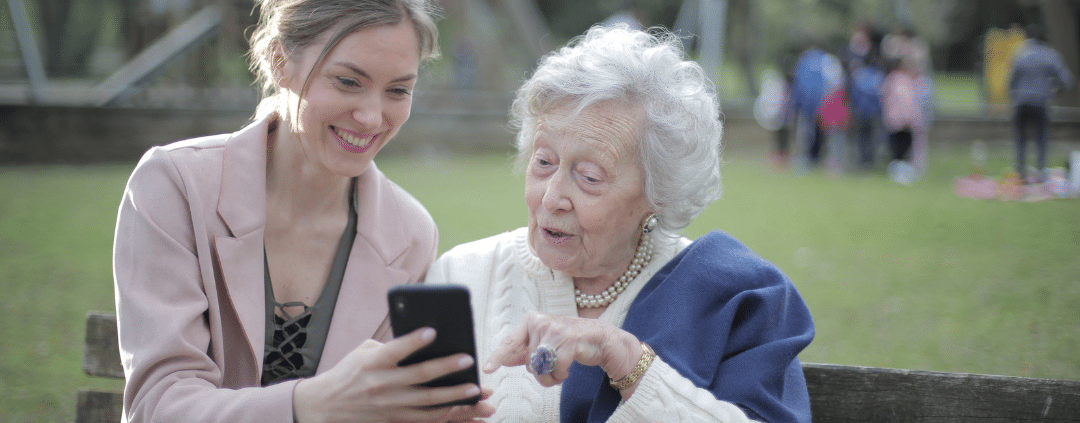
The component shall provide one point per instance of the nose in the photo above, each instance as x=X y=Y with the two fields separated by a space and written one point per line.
x=556 y=193
x=368 y=111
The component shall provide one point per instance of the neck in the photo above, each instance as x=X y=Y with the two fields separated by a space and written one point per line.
x=296 y=184
x=600 y=295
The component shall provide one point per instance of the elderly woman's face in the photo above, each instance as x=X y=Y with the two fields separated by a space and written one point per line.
x=584 y=187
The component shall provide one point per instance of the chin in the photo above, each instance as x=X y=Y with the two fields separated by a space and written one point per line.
x=556 y=261
x=348 y=168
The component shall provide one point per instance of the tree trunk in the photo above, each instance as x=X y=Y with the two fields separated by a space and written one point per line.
x=1061 y=28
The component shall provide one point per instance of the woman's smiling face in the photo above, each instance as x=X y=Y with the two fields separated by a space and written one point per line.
x=356 y=99
x=584 y=187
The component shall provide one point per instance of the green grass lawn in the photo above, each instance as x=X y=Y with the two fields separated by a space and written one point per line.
x=906 y=277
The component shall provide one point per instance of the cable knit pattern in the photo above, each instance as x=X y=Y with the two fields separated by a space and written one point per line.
x=664 y=395
x=507 y=280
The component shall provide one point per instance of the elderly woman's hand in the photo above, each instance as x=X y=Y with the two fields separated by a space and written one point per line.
x=368 y=385
x=591 y=342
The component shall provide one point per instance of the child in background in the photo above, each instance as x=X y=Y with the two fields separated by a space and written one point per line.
x=902 y=119
x=773 y=111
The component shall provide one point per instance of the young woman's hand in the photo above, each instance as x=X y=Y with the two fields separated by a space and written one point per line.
x=367 y=385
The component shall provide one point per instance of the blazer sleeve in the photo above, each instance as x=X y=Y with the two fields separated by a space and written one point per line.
x=162 y=307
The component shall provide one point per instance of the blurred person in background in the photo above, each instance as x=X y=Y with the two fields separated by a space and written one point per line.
x=598 y=310
x=773 y=111
x=911 y=50
x=913 y=54
x=252 y=269
x=1037 y=73
x=864 y=91
x=864 y=45
x=902 y=119
x=817 y=77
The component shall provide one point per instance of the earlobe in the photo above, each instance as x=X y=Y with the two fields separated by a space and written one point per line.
x=650 y=223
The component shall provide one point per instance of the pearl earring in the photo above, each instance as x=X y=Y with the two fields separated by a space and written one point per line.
x=650 y=223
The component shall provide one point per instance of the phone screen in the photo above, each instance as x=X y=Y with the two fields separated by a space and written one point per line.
x=445 y=308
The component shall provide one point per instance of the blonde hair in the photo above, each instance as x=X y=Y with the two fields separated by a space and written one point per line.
x=297 y=24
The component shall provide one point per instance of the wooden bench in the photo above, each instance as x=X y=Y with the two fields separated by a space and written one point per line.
x=837 y=393
x=101 y=357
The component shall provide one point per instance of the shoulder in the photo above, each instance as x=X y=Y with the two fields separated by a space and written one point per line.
x=717 y=258
x=172 y=188
x=505 y=256
x=187 y=153
x=719 y=282
x=183 y=153
x=200 y=164
x=483 y=253
x=178 y=165
x=204 y=158
x=1024 y=51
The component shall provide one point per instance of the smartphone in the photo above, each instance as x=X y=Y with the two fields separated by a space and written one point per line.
x=445 y=308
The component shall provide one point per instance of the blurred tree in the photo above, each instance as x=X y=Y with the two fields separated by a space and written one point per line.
x=1061 y=20
x=962 y=48
x=759 y=33
x=70 y=30
x=218 y=61
x=569 y=18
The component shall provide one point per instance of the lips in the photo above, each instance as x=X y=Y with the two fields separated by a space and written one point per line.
x=351 y=142
x=556 y=233
x=554 y=236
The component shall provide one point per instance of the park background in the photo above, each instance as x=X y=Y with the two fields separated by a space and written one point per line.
x=897 y=276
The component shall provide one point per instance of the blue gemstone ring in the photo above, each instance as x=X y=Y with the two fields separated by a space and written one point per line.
x=543 y=360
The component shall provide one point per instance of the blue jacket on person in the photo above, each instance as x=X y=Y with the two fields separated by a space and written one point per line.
x=808 y=86
x=1037 y=73
x=865 y=91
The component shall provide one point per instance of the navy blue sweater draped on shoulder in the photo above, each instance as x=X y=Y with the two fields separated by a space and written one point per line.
x=725 y=319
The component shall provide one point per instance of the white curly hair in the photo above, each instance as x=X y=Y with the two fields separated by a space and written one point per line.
x=680 y=144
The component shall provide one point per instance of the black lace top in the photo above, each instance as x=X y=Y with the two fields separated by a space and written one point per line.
x=293 y=344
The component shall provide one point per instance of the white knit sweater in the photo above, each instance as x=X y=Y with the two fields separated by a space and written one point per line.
x=506 y=281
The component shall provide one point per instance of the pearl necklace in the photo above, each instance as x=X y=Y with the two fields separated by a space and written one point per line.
x=641 y=259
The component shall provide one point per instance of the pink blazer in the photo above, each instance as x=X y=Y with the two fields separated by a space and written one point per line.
x=188 y=275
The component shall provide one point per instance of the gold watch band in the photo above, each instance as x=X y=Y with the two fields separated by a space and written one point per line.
x=638 y=371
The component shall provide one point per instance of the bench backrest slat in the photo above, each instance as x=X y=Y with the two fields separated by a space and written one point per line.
x=851 y=393
x=101 y=356
x=98 y=407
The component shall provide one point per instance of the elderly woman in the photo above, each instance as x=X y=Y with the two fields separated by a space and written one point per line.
x=599 y=310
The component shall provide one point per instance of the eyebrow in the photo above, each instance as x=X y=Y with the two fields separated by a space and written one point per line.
x=365 y=75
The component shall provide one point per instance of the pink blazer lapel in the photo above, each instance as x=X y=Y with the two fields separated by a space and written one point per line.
x=362 y=308
x=240 y=260
x=242 y=206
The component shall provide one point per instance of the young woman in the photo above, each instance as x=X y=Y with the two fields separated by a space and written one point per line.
x=251 y=269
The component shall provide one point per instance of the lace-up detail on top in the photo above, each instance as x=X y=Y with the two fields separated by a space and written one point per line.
x=286 y=361
x=293 y=345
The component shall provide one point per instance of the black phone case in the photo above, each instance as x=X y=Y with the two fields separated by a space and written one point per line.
x=445 y=308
